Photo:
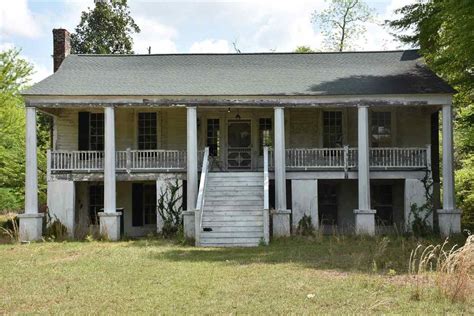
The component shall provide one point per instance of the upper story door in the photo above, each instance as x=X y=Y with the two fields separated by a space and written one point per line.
x=239 y=144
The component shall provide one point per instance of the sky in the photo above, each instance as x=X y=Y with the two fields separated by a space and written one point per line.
x=187 y=26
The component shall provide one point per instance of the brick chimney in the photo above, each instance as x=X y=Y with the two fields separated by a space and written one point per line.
x=61 y=46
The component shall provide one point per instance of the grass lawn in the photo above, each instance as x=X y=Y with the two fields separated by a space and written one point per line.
x=321 y=275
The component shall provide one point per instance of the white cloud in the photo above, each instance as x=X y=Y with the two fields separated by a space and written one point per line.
x=210 y=46
x=16 y=19
x=160 y=37
x=6 y=46
x=40 y=72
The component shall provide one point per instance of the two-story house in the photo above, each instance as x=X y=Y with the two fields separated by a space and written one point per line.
x=255 y=140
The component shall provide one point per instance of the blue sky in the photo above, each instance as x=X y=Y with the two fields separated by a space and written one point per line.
x=183 y=26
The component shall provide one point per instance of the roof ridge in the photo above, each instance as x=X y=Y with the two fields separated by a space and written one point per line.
x=243 y=54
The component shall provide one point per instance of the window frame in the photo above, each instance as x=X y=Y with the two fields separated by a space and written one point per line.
x=375 y=116
x=327 y=143
x=147 y=135
x=96 y=132
x=387 y=218
x=217 y=137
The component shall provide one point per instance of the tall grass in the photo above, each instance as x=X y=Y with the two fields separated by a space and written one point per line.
x=10 y=228
x=452 y=268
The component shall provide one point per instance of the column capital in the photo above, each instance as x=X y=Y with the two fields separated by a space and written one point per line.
x=110 y=106
x=279 y=107
x=362 y=106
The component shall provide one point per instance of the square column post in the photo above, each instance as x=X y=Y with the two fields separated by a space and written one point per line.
x=31 y=222
x=109 y=218
x=281 y=217
x=189 y=217
x=449 y=217
x=364 y=215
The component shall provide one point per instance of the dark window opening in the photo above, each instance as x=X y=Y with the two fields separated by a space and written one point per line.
x=332 y=129
x=96 y=203
x=382 y=202
x=143 y=204
x=147 y=135
x=213 y=137
x=381 y=129
x=327 y=196
x=265 y=133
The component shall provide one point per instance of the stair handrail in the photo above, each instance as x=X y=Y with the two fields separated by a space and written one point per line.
x=201 y=193
x=266 y=197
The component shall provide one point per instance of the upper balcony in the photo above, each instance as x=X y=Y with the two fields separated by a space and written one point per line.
x=297 y=159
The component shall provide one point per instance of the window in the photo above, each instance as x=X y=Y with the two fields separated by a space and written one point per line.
x=327 y=195
x=96 y=132
x=265 y=133
x=147 y=131
x=332 y=129
x=213 y=133
x=143 y=204
x=381 y=129
x=383 y=204
x=96 y=203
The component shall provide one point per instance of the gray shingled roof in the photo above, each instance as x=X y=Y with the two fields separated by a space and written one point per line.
x=357 y=73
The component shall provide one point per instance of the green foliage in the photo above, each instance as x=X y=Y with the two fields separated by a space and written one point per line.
x=170 y=209
x=305 y=227
x=303 y=49
x=342 y=24
x=105 y=29
x=443 y=31
x=54 y=229
x=15 y=73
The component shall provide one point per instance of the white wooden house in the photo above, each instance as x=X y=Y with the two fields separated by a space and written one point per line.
x=256 y=140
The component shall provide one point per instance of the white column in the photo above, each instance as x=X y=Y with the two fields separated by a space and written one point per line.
x=364 y=215
x=31 y=172
x=110 y=218
x=192 y=167
x=449 y=217
x=109 y=160
x=281 y=218
x=31 y=220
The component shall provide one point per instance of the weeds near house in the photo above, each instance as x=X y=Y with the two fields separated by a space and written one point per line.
x=170 y=208
x=305 y=226
x=10 y=228
x=452 y=269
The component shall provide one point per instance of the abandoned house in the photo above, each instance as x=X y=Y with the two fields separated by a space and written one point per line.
x=251 y=143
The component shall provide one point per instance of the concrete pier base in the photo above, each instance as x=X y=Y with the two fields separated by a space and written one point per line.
x=31 y=226
x=365 y=222
x=281 y=223
x=449 y=222
x=110 y=225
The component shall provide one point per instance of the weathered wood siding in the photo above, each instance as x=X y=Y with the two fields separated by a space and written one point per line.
x=410 y=126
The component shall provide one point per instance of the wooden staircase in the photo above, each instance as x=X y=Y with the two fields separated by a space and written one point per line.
x=233 y=210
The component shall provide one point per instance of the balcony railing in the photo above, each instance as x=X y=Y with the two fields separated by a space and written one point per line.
x=127 y=160
x=296 y=159
x=345 y=158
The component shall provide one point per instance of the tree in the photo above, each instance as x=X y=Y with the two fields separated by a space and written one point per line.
x=342 y=24
x=15 y=74
x=303 y=49
x=443 y=31
x=106 y=29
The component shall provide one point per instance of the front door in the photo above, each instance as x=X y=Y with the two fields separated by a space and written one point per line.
x=239 y=145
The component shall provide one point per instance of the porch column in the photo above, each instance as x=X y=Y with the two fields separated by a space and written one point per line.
x=449 y=217
x=109 y=218
x=192 y=167
x=31 y=222
x=281 y=217
x=364 y=215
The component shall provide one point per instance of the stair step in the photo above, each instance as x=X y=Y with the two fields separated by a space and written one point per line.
x=209 y=235
x=236 y=198
x=231 y=240
x=224 y=191
x=242 y=245
x=232 y=223
x=239 y=184
x=211 y=213
x=235 y=174
x=220 y=229
x=228 y=218
x=233 y=208
x=229 y=201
